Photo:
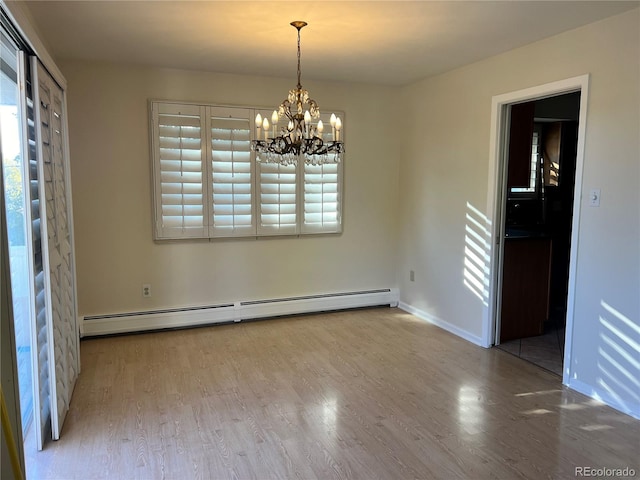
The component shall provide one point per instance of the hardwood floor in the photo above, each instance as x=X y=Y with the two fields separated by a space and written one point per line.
x=361 y=394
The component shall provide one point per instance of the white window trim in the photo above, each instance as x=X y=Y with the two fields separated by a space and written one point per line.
x=257 y=230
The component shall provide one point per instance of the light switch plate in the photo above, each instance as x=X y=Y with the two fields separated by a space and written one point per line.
x=594 y=197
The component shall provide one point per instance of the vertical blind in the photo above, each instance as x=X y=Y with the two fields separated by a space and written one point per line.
x=204 y=152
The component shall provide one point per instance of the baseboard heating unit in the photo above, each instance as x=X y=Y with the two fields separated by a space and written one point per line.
x=95 y=325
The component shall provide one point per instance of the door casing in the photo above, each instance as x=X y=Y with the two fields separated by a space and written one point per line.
x=498 y=152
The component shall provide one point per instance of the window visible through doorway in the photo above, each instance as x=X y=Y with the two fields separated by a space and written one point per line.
x=536 y=161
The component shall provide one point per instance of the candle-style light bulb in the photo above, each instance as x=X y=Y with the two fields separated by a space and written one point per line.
x=338 y=127
x=258 y=125
x=332 y=121
x=265 y=127
x=307 y=123
x=320 y=128
x=274 y=121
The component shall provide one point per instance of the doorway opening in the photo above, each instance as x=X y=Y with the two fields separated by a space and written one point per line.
x=536 y=225
x=497 y=207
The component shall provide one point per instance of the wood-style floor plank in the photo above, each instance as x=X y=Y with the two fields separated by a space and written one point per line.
x=361 y=394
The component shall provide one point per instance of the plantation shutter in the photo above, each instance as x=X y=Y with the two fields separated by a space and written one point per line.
x=179 y=138
x=322 y=202
x=57 y=242
x=207 y=183
x=322 y=192
x=39 y=295
x=277 y=207
x=232 y=171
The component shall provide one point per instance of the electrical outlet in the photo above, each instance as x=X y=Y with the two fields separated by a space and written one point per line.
x=412 y=275
x=146 y=290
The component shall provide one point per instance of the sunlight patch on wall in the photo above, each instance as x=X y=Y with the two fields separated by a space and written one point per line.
x=619 y=356
x=477 y=248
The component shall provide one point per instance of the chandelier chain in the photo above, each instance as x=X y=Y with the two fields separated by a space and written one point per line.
x=299 y=74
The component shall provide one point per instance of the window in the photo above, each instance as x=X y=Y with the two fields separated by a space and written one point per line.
x=536 y=158
x=321 y=198
x=207 y=183
x=232 y=171
x=179 y=141
x=278 y=199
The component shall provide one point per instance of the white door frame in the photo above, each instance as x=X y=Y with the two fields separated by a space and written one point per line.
x=495 y=200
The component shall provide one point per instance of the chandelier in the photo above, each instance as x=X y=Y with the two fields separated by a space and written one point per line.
x=301 y=138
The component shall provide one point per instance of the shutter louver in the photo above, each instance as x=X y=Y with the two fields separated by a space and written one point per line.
x=179 y=142
x=232 y=173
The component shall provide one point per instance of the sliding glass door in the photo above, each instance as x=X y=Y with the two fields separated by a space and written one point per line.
x=15 y=188
x=39 y=219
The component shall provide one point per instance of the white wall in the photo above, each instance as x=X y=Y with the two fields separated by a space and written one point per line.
x=110 y=168
x=444 y=171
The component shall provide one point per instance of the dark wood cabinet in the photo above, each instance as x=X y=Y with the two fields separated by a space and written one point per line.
x=525 y=287
x=559 y=153
x=520 y=143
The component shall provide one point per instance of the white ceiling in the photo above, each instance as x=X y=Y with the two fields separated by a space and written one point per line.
x=384 y=42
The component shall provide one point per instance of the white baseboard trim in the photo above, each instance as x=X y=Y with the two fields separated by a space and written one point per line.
x=441 y=323
x=629 y=408
x=96 y=325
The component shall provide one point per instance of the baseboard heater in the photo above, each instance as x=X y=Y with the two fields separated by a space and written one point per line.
x=95 y=325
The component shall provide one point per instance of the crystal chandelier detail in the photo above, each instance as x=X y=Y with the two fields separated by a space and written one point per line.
x=300 y=139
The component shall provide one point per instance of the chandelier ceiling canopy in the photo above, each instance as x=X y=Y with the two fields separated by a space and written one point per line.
x=296 y=131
